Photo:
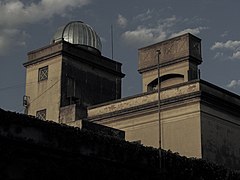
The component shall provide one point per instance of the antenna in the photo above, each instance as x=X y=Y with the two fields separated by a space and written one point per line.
x=116 y=80
x=112 y=39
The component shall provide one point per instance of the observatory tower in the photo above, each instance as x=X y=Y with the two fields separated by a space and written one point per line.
x=70 y=74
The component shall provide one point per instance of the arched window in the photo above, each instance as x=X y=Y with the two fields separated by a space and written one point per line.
x=166 y=80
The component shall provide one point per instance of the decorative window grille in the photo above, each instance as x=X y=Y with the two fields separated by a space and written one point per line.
x=43 y=73
x=41 y=114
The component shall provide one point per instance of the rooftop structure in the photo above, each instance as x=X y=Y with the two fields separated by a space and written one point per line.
x=80 y=34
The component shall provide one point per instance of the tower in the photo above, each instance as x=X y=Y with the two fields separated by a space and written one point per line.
x=70 y=74
x=179 y=60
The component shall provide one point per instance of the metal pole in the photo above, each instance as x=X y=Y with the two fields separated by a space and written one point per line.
x=112 y=39
x=159 y=113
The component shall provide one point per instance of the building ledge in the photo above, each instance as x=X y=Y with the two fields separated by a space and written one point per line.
x=197 y=90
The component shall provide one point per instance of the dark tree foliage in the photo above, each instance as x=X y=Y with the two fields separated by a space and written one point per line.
x=71 y=153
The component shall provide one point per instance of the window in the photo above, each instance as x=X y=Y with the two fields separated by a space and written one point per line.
x=41 y=114
x=43 y=73
x=165 y=81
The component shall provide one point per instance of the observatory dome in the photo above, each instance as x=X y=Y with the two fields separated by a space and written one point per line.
x=78 y=33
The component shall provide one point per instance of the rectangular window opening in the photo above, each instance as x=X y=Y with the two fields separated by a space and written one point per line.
x=43 y=73
x=41 y=114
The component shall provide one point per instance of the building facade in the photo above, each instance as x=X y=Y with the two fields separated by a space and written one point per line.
x=70 y=74
x=176 y=109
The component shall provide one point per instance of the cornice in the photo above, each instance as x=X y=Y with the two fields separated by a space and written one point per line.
x=41 y=59
x=219 y=103
x=144 y=108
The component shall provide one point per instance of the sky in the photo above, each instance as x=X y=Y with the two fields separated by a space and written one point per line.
x=26 y=25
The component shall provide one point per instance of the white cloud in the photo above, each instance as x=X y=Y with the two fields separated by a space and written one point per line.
x=143 y=35
x=16 y=13
x=218 y=55
x=140 y=35
x=234 y=84
x=194 y=31
x=144 y=16
x=163 y=29
x=236 y=55
x=122 y=21
x=232 y=47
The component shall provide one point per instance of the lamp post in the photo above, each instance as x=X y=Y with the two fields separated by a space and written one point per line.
x=159 y=113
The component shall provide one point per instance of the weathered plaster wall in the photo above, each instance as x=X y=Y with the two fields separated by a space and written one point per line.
x=138 y=117
x=180 y=128
x=179 y=68
x=141 y=99
x=220 y=136
x=44 y=94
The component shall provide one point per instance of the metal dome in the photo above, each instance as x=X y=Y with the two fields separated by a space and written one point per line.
x=78 y=33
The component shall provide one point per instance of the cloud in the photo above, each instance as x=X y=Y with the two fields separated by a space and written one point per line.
x=234 y=84
x=194 y=31
x=10 y=38
x=122 y=21
x=161 y=30
x=14 y=14
x=236 y=55
x=144 y=16
x=232 y=47
x=218 y=55
x=143 y=35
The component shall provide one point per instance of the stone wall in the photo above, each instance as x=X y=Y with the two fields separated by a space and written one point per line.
x=138 y=117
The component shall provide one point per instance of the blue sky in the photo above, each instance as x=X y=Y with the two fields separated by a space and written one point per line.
x=28 y=25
